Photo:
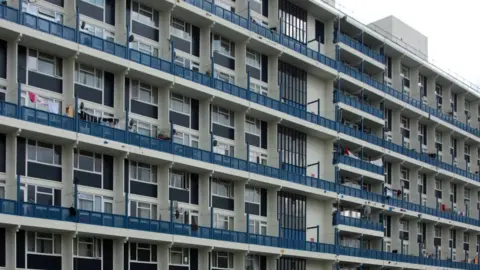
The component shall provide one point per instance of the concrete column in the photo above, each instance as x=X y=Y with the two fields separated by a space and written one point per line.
x=205 y=50
x=118 y=254
x=459 y=245
x=273 y=20
x=204 y=205
x=429 y=244
x=474 y=113
x=396 y=123
x=12 y=72
x=473 y=202
x=242 y=8
x=240 y=219
x=163 y=253
x=69 y=83
x=396 y=242
x=70 y=17
x=447 y=96
x=446 y=193
x=164 y=33
x=461 y=154
x=120 y=182
x=473 y=158
x=461 y=197
x=240 y=145
x=327 y=108
x=415 y=196
x=327 y=231
x=414 y=88
x=121 y=22
x=396 y=70
x=446 y=144
x=327 y=171
x=396 y=172
x=445 y=242
x=431 y=139
x=413 y=241
x=472 y=253
x=11 y=251
x=271 y=262
x=67 y=250
x=204 y=125
x=163 y=178
x=68 y=190
x=329 y=45
x=273 y=87
x=461 y=108
x=164 y=110
x=431 y=97
x=431 y=199
x=11 y=166
x=414 y=143
x=272 y=147
x=203 y=259
x=272 y=221
x=241 y=78
x=119 y=98
x=239 y=260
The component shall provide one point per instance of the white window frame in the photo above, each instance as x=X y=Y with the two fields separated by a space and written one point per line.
x=56 y=161
x=142 y=47
x=223 y=219
x=253 y=126
x=92 y=71
x=181 y=100
x=97 y=167
x=227 y=184
x=2 y=189
x=405 y=73
x=33 y=63
x=42 y=12
x=145 y=246
x=152 y=129
x=99 y=3
x=224 y=148
x=96 y=199
x=184 y=138
x=54 y=238
x=94 y=243
x=252 y=262
x=253 y=194
x=184 y=252
x=258 y=156
x=25 y=188
x=180 y=29
x=227 y=114
x=258 y=87
x=254 y=59
x=224 y=76
x=259 y=227
x=220 y=43
x=98 y=31
x=179 y=180
x=25 y=100
x=225 y=255
x=137 y=15
x=151 y=207
x=138 y=87
x=135 y=167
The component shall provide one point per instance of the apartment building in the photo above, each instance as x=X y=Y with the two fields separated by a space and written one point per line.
x=230 y=135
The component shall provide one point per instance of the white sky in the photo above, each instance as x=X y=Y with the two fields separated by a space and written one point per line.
x=452 y=28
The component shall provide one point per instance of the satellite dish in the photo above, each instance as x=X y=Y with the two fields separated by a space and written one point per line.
x=131 y=38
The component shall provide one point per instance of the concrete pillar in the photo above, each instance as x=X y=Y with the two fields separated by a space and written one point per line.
x=273 y=87
x=431 y=139
x=414 y=143
x=204 y=200
x=68 y=190
x=461 y=108
x=272 y=221
x=431 y=199
x=271 y=262
x=70 y=17
x=415 y=196
x=118 y=254
x=240 y=145
x=429 y=244
x=239 y=260
x=203 y=259
x=473 y=202
x=461 y=154
x=241 y=78
x=11 y=251
x=445 y=242
x=242 y=8
x=461 y=197
x=205 y=50
x=447 y=96
x=12 y=72
x=446 y=144
x=396 y=242
x=163 y=257
x=431 y=97
x=272 y=147
x=121 y=21
x=474 y=113
x=446 y=193
x=396 y=123
x=164 y=110
x=396 y=173
x=11 y=166
x=327 y=171
x=240 y=219
x=67 y=250
x=69 y=83
x=413 y=248
x=472 y=252
x=164 y=33
x=119 y=192
x=119 y=98
x=327 y=108
x=414 y=87
x=459 y=245
x=273 y=20
x=329 y=45
x=473 y=158
x=204 y=124
x=163 y=178
x=396 y=70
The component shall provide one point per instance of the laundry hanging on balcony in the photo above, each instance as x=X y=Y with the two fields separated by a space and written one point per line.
x=378 y=162
x=350 y=154
x=49 y=103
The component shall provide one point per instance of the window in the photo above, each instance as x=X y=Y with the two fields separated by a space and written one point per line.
x=405 y=125
x=42 y=12
x=226 y=4
x=179 y=180
x=252 y=194
x=89 y=247
x=180 y=28
x=143 y=172
x=186 y=139
x=89 y=76
x=222 y=260
x=252 y=262
x=223 y=46
x=141 y=252
x=95 y=203
x=438 y=189
x=225 y=77
x=467 y=153
x=293 y=20
x=41 y=195
x=257 y=88
x=258 y=157
x=144 y=14
x=98 y=31
x=45 y=243
x=87 y=161
x=254 y=59
x=223 y=222
x=258 y=227
x=144 y=92
x=438 y=232
x=252 y=126
x=143 y=210
x=405 y=177
x=41 y=103
x=224 y=149
x=406 y=76
x=223 y=116
x=179 y=103
x=103 y=115
x=179 y=256
x=421 y=134
x=222 y=188
x=2 y=189
x=145 y=48
x=144 y=128
x=99 y=3
x=44 y=152
x=44 y=63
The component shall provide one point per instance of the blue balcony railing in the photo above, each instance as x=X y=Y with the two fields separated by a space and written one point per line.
x=10 y=207
x=49 y=27
x=357 y=104
x=360 y=47
x=357 y=222
x=102 y=45
x=358 y=163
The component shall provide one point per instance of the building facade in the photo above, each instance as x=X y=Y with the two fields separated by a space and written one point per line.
x=229 y=135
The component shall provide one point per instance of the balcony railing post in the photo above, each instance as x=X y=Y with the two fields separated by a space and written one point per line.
x=20 y=12
x=77 y=24
x=19 y=99
x=172 y=56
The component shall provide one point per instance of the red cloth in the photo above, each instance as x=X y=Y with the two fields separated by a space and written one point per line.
x=31 y=96
x=443 y=207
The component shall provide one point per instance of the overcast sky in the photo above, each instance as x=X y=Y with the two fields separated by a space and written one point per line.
x=452 y=28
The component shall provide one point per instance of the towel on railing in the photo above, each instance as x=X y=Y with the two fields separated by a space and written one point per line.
x=350 y=154
x=378 y=162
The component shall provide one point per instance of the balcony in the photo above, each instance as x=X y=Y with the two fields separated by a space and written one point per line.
x=360 y=47
x=339 y=97
x=357 y=222
x=358 y=163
